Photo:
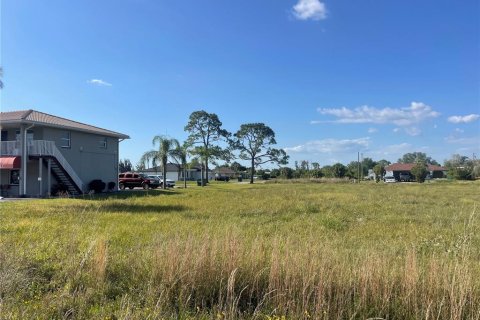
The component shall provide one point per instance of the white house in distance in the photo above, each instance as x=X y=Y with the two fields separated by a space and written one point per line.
x=175 y=172
x=39 y=150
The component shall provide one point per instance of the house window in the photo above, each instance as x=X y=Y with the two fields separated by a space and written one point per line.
x=29 y=136
x=102 y=143
x=14 y=177
x=65 y=141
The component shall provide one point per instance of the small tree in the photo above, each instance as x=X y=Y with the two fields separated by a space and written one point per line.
x=339 y=170
x=165 y=149
x=420 y=171
x=180 y=154
x=379 y=171
x=286 y=173
x=253 y=140
x=460 y=167
x=124 y=166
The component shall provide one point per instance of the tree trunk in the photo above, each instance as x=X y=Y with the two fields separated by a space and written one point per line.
x=164 y=173
x=252 y=171
x=185 y=176
x=206 y=170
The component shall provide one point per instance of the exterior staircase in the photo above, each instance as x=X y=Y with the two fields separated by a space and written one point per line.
x=62 y=177
x=60 y=167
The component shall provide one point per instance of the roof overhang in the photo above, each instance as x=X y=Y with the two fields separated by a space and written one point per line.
x=10 y=162
x=10 y=123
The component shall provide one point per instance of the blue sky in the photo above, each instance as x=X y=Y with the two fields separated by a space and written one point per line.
x=331 y=77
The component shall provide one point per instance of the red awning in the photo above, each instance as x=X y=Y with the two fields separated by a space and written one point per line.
x=10 y=163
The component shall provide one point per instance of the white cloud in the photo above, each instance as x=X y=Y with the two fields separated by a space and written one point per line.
x=465 y=141
x=394 y=150
x=331 y=146
x=414 y=114
x=310 y=9
x=396 y=130
x=372 y=130
x=413 y=131
x=464 y=119
x=99 y=82
x=458 y=130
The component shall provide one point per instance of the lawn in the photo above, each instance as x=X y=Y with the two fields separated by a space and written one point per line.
x=239 y=251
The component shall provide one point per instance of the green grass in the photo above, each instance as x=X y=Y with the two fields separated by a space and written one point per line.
x=264 y=251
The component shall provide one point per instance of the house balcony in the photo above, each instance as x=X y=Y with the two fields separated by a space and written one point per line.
x=43 y=149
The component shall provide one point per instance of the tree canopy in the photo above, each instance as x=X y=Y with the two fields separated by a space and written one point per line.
x=166 y=147
x=254 y=141
x=414 y=157
x=124 y=166
x=205 y=130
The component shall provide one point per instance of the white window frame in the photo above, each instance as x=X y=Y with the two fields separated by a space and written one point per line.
x=66 y=140
x=102 y=143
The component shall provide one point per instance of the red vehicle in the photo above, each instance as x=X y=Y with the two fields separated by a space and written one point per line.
x=132 y=179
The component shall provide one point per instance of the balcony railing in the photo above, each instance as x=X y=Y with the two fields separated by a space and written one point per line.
x=41 y=148
x=10 y=148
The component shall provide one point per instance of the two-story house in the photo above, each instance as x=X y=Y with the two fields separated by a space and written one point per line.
x=39 y=150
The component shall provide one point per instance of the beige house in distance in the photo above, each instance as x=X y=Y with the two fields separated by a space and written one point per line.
x=39 y=150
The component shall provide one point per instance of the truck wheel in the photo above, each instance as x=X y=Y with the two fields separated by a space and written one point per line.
x=145 y=186
x=121 y=186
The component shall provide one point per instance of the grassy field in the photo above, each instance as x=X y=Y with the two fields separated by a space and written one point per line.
x=236 y=251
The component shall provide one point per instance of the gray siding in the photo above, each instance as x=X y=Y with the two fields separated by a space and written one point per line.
x=85 y=155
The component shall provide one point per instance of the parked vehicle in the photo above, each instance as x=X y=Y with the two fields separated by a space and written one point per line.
x=389 y=179
x=154 y=182
x=222 y=178
x=132 y=179
x=170 y=183
x=404 y=177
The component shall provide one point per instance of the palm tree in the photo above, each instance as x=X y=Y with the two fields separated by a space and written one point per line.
x=166 y=147
x=180 y=154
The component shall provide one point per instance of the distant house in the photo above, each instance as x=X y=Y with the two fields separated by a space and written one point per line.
x=224 y=172
x=175 y=172
x=406 y=168
x=39 y=150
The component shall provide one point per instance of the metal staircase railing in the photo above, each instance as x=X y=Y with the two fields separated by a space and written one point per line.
x=48 y=148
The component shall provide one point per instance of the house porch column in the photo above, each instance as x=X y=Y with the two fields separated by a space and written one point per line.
x=40 y=177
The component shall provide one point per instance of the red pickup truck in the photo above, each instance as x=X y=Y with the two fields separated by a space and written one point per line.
x=132 y=179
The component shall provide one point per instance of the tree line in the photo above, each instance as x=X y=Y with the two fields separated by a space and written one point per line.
x=208 y=142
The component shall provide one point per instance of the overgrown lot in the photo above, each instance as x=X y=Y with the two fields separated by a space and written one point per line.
x=267 y=251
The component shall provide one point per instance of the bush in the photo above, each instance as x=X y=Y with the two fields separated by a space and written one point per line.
x=420 y=171
x=58 y=189
x=96 y=185
x=111 y=186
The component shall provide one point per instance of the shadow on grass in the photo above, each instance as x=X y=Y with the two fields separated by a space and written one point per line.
x=141 y=208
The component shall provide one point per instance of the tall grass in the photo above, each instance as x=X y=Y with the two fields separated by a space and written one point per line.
x=311 y=252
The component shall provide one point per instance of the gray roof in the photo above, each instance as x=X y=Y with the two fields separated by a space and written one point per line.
x=37 y=117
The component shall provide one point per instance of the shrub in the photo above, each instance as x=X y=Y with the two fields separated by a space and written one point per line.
x=111 y=186
x=420 y=171
x=96 y=185
x=57 y=189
